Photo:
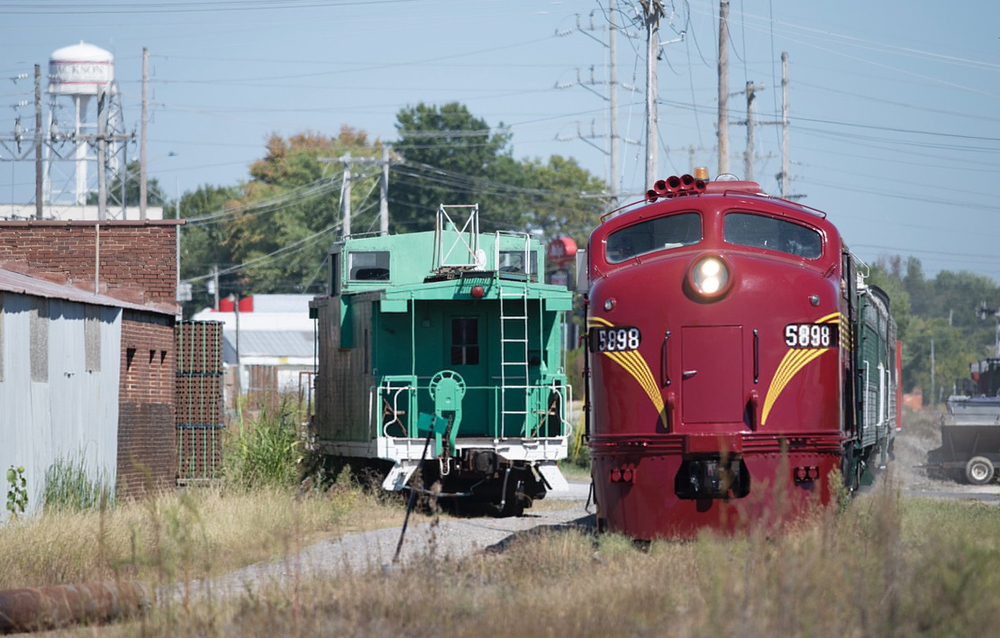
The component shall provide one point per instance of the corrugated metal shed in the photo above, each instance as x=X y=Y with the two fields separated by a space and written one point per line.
x=59 y=379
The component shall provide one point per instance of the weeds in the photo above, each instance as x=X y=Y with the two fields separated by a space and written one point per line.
x=70 y=485
x=17 y=491
x=264 y=452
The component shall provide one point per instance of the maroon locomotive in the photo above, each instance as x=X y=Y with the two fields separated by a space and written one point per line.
x=736 y=361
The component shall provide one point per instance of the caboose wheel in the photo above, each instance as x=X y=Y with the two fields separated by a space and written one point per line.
x=979 y=470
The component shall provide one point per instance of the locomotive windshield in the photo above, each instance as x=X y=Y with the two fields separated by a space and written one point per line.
x=747 y=229
x=651 y=235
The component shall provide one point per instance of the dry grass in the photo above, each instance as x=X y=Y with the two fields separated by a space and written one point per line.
x=186 y=533
x=886 y=567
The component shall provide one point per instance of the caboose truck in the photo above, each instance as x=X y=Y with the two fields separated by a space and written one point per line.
x=445 y=337
x=736 y=360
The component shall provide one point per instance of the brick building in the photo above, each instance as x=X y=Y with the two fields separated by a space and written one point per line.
x=134 y=262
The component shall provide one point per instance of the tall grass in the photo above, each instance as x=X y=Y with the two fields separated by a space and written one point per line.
x=71 y=485
x=265 y=451
x=885 y=567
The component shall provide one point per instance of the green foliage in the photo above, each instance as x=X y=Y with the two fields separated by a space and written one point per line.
x=274 y=231
x=453 y=157
x=272 y=234
x=264 y=452
x=203 y=245
x=69 y=485
x=17 y=491
x=154 y=194
x=449 y=138
x=942 y=310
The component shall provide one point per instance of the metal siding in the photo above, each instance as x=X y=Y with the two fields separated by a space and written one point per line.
x=344 y=376
x=72 y=415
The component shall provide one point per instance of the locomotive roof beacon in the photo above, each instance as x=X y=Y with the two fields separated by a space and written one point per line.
x=759 y=365
x=80 y=69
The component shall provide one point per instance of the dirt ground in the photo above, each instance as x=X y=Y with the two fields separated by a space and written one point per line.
x=921 y=433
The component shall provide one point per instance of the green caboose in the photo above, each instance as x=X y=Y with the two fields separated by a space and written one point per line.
x=443 y=350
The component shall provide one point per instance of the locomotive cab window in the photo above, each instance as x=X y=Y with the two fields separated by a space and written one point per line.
x=662 y=233
x=465 y=341
x=368 y=265
x=759 y=231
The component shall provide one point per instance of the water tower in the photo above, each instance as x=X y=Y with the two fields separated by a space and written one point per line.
x=83 y=93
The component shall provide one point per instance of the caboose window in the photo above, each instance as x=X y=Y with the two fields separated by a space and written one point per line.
x=651 y=235
x=513 y=261
x=369 y=265
x=465 y=341
x=759 y=231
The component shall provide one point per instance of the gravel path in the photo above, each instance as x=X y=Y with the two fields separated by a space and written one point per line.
x=448 y=538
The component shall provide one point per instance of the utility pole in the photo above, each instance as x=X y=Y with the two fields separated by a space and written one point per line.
x=345 y=225
x=653 y=11
x=383 y=202
x=785 y=176
x=102 y=145
x=784 y=126
x=614 y=103
x=142 y=142
x=38 y=142
x=215 y=279
x=723 y=86
x=347 y=161
x=748 y=154
x=933 y=395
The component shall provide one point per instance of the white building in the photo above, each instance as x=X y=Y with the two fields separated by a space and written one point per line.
x=271 y=341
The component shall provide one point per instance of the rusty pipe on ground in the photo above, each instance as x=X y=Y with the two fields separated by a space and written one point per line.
x=40 y=608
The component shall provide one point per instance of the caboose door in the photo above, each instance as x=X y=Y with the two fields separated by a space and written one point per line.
x=712 y=374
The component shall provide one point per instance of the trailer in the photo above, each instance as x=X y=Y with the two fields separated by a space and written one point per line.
x=970 y=439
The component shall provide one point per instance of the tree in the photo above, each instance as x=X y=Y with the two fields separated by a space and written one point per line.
x=899 y=300
x=569 y=200
x=446 y=152
x=203 y=246
x=942 y=309
x=451 y=157
x=288 y=214
x=154 y=194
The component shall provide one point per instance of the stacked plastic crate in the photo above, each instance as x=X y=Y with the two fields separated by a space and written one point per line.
x=199 y=400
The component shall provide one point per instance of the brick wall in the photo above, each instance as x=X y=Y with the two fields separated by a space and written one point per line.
x=147 y=456
x=133 y=261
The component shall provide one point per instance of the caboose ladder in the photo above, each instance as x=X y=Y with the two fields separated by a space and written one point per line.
x=513 y=358
x=514 y=391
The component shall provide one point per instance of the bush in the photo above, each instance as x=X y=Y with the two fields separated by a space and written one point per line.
x=264 y=452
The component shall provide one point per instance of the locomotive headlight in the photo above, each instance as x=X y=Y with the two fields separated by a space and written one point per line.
x=709 y=276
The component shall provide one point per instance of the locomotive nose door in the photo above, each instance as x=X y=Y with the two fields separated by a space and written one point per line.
x=711 y=374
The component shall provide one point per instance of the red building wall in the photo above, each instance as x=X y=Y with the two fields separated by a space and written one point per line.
x=132 y=261
x=147 y=456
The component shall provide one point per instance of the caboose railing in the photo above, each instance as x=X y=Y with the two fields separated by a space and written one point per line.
x=394 y=407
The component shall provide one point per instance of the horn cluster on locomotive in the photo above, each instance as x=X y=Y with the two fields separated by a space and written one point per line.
x=736 y=359
x=443 y=351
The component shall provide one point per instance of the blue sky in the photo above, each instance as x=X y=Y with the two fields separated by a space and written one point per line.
x=895 y=126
